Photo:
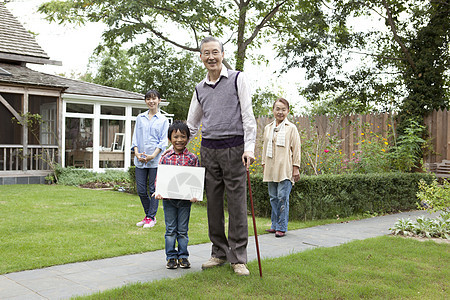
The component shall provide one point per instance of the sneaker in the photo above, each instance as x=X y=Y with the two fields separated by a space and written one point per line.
x=172 y=263
x=280 y=234
x=184 y=263
x=141 y=223
x=240 y=269
x=213 y=262
x=149 y=222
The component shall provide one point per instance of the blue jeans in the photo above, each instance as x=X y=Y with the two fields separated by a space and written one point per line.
x=176 y=215
x=144 y=176
x=279 y=200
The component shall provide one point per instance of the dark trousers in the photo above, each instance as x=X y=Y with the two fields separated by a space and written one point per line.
x=176 y=216
x=225 y=172
x=145 y=177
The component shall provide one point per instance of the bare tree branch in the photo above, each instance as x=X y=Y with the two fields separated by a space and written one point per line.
x=166 y=39
x=376 y=55
x=378 y=13
x=225 y=62
x=440 y=2
x=263 y=22
x=397 y=38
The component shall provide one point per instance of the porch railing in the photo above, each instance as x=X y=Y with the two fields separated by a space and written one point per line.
x=38 y=158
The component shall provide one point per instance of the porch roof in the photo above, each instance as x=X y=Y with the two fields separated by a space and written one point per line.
x=21 y=75
x=18 y=45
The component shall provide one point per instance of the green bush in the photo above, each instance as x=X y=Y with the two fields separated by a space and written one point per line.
x=426 y=227
x=132 y=176
x=76 y=177
x=434 y=197
x=330 y=196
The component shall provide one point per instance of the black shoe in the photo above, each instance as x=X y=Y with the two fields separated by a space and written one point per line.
x=280 y=234
x=172 y=264
x=184 y=263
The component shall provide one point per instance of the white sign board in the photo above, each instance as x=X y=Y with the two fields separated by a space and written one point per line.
x=180 y=182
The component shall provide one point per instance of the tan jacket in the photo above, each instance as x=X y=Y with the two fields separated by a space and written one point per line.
x=280 y=166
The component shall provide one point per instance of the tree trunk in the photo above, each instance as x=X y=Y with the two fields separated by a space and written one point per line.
x=240 y=54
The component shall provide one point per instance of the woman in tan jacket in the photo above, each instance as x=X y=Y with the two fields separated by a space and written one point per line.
x=281 y=162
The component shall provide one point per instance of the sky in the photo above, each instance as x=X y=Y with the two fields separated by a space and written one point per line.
x=74 y=45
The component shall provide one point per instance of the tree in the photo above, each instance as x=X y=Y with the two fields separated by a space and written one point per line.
x=245 y=23
x=262 y=101
x=150 y=65
x=401 y=66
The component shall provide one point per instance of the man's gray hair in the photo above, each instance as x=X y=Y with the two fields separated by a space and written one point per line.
x=209 y=39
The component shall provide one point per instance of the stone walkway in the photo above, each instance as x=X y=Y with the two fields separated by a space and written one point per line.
x=83 y=278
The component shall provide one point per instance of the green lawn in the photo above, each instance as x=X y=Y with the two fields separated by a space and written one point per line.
x=44 y=225
x=379 y=268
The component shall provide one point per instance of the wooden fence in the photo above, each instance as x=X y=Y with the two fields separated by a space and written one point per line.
x=351 y=130
x=438 y=124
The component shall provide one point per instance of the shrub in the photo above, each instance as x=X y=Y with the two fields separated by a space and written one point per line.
x=76 y=177
x=372 y=154
x=407 y=154
x=132 y=176
x=434 y=197
x=321 y=153
x=425 y=227
x=330 y=196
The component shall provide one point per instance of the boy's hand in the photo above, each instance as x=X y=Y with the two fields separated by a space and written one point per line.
x=157 y=197
x=194 y=200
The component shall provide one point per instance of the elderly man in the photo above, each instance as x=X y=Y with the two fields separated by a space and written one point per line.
x=222 y=104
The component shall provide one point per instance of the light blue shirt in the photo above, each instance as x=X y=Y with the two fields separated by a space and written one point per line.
x=148 y=135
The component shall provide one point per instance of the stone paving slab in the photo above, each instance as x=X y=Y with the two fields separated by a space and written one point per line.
x=75 y=279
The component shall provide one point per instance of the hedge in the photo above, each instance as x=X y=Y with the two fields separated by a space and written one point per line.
x=329 y=196
x=132 y=174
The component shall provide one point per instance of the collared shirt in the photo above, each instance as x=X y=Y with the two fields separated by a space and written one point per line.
x=185 y=158
x=148 y=135
x=248 y=119
x=281 y=165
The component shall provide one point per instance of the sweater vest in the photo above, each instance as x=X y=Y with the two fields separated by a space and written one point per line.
x=221 y=108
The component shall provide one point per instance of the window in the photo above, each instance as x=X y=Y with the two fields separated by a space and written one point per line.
x=136 y=111
x=80 y=108
x=112 y=138
x=47 y=130
x=79 y=142
x=113 y=110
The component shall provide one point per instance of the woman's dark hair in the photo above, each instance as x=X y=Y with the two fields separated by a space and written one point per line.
x=152 y=94
x=180 y=126
x=282 y=100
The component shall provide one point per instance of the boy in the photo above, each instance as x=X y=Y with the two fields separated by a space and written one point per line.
x=176 y=212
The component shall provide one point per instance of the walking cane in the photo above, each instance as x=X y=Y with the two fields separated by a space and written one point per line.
x=254 y=222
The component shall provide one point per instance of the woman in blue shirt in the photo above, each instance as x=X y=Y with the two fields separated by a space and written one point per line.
x=149 y=140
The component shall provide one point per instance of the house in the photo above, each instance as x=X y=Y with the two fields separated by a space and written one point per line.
x=74 y=123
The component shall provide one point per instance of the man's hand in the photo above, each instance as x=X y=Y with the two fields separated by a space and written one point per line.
x=295 y=174
x=194 y=200
x=248 y=158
